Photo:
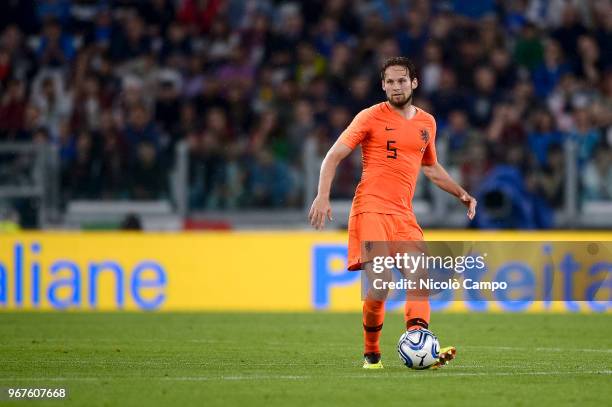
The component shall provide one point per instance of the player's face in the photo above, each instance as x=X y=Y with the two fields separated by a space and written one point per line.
x=398 y=86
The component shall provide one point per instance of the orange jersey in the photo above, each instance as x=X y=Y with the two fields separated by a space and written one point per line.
x=393 y=150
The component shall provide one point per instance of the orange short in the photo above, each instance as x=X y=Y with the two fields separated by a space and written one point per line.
x=378 y=227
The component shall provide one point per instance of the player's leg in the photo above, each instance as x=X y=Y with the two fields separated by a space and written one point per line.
x=409 y=241
x=374 y=313
x=367 y=236
x=417 y=310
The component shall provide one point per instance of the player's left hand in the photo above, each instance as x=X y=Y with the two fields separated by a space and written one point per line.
x=471 y=203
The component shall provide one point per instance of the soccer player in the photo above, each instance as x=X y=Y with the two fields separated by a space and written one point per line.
x=397 y=140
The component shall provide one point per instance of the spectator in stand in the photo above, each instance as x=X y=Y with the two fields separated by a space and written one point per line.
x=32 y=121
x=12 y=110
x=448 y=97
x=80 y=175
x=552 y=177
x=467 y=56
x=412 y=38
x=491 y=35
x=208 y=172
x=360 y=96
x=457 y=136
x=284 y=42
x=287 y=92
x=329 y=34
x=87 y=105
x=146 y=173
x=506 y=129
x=270 y=183
x=49 y=96
x=529 y=50
x=302 y=126
x=597 y=177
x=309 y=66
x=505 y=70
x=189 y=122
x=129 y=40
x=56 y=48
x=475 y=166
x=570 y=30
x=543 y=135
x=547 y=75
x=167 y=105
x=220 y=41
x=431 y=71
x=586 y=137
x=21 y=60
x=140 y=128
x=589 y=64
x=484 y=97
x=177 y=47
x=338 y=70
x=113 y=157
x=524 y=99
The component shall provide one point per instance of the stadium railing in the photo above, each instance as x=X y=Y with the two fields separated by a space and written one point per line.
x=162 y=214
x=30 y=171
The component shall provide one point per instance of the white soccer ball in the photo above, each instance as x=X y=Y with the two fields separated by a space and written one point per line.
x=418 y=348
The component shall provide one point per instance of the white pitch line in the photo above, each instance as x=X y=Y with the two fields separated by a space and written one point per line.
x=374 y=375
x=383 y=376
x=255 y=365
x=115 y=342
x=162 y=341
x=537 y=349
x=162 y=364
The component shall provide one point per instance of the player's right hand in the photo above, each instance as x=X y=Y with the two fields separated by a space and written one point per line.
x=320 y=210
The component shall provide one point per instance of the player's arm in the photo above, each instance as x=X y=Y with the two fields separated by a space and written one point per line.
x=352 y=136
x=438 y=175
x=321 y=207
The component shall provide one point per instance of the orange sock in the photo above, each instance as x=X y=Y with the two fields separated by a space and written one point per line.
x=417 y=313
x=373 y=317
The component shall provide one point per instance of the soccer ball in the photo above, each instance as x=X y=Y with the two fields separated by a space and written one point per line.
x=418 y=348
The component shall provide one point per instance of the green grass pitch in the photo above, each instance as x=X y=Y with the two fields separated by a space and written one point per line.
x=310 y=359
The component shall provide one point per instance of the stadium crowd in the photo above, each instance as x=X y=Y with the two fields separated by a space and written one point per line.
x=117 y=84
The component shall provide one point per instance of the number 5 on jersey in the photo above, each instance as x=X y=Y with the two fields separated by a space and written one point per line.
x=391 y=150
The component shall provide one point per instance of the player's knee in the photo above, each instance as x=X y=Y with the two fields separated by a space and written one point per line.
x=378 y=294
x=376 y=305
